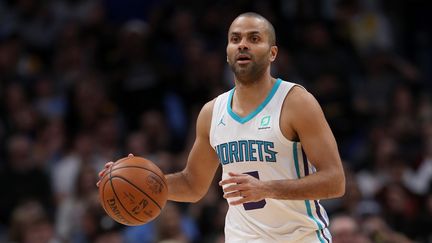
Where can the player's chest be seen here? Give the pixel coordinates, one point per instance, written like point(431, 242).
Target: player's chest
point(261, 127)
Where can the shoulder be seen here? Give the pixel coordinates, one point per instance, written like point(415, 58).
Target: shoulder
point(300, 100)
point(300, 111)
point(299, 94)
point(205, 117)
point(207, 109)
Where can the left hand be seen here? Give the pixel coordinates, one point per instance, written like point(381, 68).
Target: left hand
point(106, 169)
point(245, 186)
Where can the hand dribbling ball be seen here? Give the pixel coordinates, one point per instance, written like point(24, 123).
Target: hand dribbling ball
point(133, 191)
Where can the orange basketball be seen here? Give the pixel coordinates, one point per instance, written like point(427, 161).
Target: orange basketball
point(133, 191)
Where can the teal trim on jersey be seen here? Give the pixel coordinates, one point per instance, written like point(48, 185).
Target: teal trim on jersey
point(247, 118)
point(307, 203)
point(318, 233)
point(296, 164)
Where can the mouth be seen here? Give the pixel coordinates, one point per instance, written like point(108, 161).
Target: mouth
point(243, 59)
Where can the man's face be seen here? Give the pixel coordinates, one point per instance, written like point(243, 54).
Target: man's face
point(249, 52)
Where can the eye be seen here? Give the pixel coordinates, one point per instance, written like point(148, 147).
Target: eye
point(235, 38)
point(255, 38)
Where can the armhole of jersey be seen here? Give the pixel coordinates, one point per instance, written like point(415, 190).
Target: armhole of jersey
point(216, 110)
point(278, 129)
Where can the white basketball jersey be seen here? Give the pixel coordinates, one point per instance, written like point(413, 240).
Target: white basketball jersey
point(255, 145)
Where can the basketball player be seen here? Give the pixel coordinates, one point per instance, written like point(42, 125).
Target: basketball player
point(278, 154)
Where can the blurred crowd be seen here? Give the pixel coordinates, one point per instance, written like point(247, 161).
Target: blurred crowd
point(84, 82)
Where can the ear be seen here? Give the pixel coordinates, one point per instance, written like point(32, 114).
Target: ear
point(273, 53)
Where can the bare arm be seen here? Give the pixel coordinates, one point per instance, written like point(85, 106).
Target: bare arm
point(302, 117)
point(320, 146)
point(192, 183)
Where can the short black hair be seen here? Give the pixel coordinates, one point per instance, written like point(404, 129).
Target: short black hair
point(271, 30)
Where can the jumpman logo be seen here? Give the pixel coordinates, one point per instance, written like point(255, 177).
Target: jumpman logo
point(221, 121)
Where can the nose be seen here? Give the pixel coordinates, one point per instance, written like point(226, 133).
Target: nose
point(243, 45)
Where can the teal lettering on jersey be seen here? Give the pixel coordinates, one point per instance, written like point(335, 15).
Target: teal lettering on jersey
point(260, 149)
point(233, 152)
point(246, 151)
point(243, 145)
point(252, 150)
point(222, 152)
point(271, 154)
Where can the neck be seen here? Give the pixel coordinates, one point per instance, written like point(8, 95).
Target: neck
point(254, 86)
point(248, 95)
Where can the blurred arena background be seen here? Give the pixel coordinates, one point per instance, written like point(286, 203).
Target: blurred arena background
point(83, 82)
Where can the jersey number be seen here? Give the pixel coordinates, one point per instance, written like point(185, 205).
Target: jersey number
point(254, 205)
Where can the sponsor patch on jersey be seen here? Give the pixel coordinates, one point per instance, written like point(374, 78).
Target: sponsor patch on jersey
point(265, 123)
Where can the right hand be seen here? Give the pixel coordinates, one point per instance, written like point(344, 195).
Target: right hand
point(106, 168)
point(102, 172)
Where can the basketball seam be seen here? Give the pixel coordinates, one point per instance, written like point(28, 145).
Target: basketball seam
point(139, 189)
point(118, 199)
point(135, 166)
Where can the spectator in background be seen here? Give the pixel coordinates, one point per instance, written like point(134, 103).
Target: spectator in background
point(345, 229)
point(378, 231)
point(112, 236)
point(172, 225)
point(209, 215)
point(368, 28)
point(169, 226)
point(31, 224)
point(137, 142)
point(418, 178)
point(153, 124)
point(22, 179)
point(11, 53)
point(399, 208)
point(424, 220)
point(49, 102)
point(320, 55)
point(65, 171)
point(89, 103)
point(71, 209)
point(134, 72)
point(50, 142)
point(95, 225)
point(21, 116)
point(108, 132)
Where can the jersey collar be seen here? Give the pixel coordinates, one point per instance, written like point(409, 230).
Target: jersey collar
point(251, 115)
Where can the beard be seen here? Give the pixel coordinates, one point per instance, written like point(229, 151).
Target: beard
point(249, 73)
